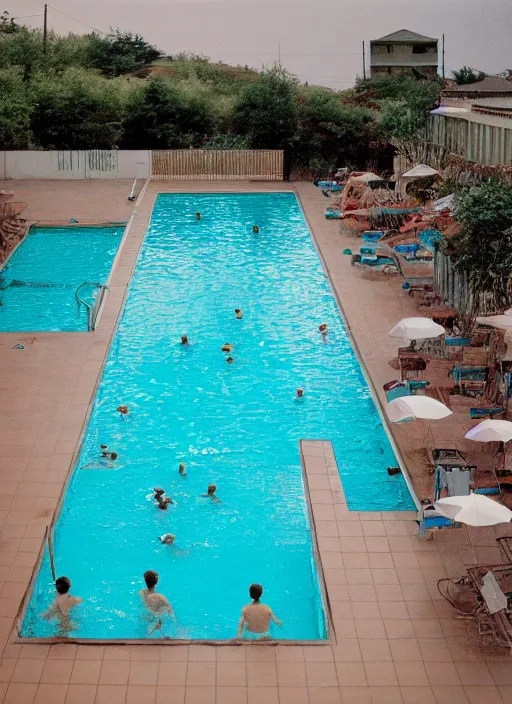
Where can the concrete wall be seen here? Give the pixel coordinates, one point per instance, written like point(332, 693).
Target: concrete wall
point(92, 164)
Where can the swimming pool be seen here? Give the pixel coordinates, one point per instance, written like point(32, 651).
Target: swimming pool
point(237, 426)
point(38, 282)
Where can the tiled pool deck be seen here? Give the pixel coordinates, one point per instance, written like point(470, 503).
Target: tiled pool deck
point(397, 641)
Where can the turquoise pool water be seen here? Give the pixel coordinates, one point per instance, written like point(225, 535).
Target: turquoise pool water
point(237, 426)
point(38, 283)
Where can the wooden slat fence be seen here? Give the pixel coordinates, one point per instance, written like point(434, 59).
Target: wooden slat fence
point(217, 165)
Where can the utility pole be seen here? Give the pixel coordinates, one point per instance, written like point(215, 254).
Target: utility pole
point(364, 63)
point(45, 27)
point(279, 53)
point(443, 74)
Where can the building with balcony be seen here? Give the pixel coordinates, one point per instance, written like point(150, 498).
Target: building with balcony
point(404, 52)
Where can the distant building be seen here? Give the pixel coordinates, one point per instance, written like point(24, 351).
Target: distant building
point(404, 52)
point(474, 122)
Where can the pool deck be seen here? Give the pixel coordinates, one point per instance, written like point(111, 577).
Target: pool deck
point(397, 641)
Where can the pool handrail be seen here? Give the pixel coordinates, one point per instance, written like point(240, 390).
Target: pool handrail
point(92, 309)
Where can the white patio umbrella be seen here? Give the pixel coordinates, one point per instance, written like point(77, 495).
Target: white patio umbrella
point(416, 329)
point(491, 431)
point(420, 171)
point(496, 321)
point(416, 407)
point(473, 510)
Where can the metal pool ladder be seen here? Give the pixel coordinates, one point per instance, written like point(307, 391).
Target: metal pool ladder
point(92, 308)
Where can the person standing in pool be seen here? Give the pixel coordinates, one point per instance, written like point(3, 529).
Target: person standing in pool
point(211, 494)
point(156, 604)
point(62, 605)
point(182, 469)
point(254, 621)
point(255, 229)
point(198, 216)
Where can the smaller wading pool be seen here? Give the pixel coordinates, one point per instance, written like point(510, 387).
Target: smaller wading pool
point(38, 282)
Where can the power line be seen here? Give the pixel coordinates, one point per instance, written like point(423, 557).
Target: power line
point(24, 17)
point(77, 20)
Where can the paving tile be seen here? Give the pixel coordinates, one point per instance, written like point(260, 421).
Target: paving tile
point(417, 695)
point(111, 694)
point(483, 695)
point(351, 674)
point(355, 695)
point(111, 672)
point(381, 674)
point(233, 695)
point(28, 670)
point(57, 672)
point(261, 674)
point(141, 694)
point(262, 695)
point(321, 674)
point(170, 695)
point(20, 693)
point(87, 672)
point(51, 694)
point(411, 674)
point(143, 673)
point(324, 695)
point(174, 673)
point(447, 694)
point(81, 694)
point(386, 695)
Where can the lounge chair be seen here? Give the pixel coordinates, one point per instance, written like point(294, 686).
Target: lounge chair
point(505, 544)
point(461, 594)
point(457, 481)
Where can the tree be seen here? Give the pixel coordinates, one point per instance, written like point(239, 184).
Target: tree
point(403, 119)
point(266, 111)
point(7, 24)
point(483, 247)
point(329, 132)
point(120, 52)
point(15, 110)
point(159, 117)
point(77, 110)
point(467, 75)
point(23, 49)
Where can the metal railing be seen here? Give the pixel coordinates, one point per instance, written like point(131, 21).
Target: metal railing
point(94, 307)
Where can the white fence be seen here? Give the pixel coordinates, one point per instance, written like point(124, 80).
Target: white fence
point(80, 165)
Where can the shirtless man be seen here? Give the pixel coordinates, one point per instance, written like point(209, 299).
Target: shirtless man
point(157, 604)
point(62, 605)
point(254, 622)
point(212, 488)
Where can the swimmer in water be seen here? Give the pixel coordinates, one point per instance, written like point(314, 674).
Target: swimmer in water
point(123, 411)
point(182, 469)
point(255, 618)
point(184, 340)
point(198, 216)
point(226, 347)
point(162, 500)
point(255, 229)
point(300, 393)
point(323, 329)
point(211, 494)
point(156, 604)
point(106, 454)
point(167, 539)
point(238, 314)
point(61, 607)
point(230, 360)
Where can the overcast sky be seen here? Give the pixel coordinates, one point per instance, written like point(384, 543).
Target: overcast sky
point(320, 40)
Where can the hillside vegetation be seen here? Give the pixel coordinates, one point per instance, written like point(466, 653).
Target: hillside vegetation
point(118, 91)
